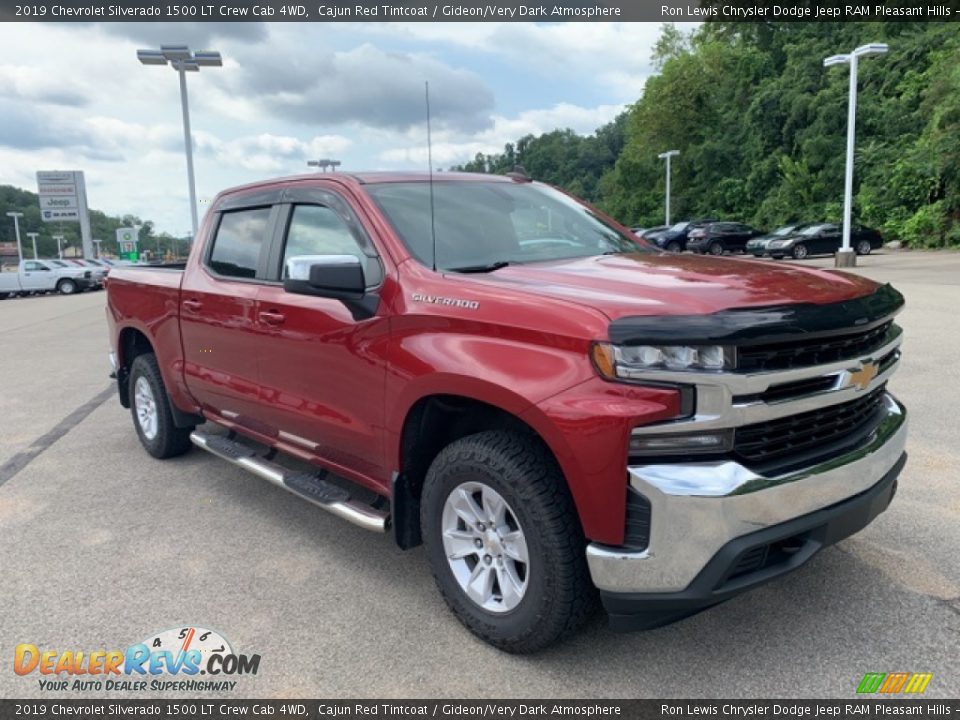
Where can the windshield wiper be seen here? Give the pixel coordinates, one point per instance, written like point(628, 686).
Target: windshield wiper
point(490, 267)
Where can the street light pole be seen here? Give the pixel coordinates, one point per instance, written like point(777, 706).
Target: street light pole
point(666, 156)
point(323, 163)
point(181, 59)
point(16, 226)
point(33, 238)
point(846, 257)
point(59, 239)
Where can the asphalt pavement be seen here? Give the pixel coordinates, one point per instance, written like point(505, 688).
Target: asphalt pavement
point(102, 546)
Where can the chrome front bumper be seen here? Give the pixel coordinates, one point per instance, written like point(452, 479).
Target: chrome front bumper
point(697, 508)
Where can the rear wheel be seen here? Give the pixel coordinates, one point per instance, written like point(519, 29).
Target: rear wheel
point(863, 247)
point(150, 409)
point(673, 247)
point(799, 251)
point(66, 287)
point(716, 248)
point(504, 542)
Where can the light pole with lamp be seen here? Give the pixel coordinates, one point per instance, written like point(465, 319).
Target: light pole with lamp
point(666, 156)
point(59, 239)
point(323, 164)
point(16, 226)
point(33, 238)
point(846, 257)
point(183, 61)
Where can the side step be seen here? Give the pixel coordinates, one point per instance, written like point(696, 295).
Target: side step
point(310, 487)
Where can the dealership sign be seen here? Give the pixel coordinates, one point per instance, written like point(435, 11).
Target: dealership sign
point(63, 198)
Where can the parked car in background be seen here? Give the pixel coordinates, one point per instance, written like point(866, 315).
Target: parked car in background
point(35, 276)
point(674, 238)
point(717, 238)
point(644, 233)
point(758, 245)
point(99, 270)
point(824, 239)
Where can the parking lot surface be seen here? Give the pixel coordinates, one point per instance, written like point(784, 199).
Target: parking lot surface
point(101, 546)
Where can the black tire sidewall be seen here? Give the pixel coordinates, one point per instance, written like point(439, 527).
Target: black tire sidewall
point(674, 247)
point(797, 254)
point(169, 440)
point(66, 283)
point(715, 248)
point(533, 623)
point(863, 247)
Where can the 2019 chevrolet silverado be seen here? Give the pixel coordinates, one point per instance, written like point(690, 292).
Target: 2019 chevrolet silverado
point(491, 368)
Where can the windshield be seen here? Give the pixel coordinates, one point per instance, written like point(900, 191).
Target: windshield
point(785, 230)
point(679, 226)
point(57, 263)
point(480, 224)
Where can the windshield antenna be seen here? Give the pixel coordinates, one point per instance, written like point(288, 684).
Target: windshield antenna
point(433, 227)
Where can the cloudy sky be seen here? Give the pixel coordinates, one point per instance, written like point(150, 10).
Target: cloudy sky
point(74, 97)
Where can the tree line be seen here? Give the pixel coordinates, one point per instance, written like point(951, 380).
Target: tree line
point(761, 129)
point(102, 226)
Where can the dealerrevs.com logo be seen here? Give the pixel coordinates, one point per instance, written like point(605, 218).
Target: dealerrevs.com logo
point(174, 659)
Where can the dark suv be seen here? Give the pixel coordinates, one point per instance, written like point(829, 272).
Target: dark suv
point(674, 239)
point(719, 237)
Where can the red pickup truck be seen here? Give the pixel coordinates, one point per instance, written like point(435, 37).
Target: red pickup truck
point(491, 368)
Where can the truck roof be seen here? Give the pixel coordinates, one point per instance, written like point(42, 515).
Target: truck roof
point(366, 178)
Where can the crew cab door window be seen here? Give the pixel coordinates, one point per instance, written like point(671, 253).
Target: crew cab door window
point(238, 243)
point(35, 267)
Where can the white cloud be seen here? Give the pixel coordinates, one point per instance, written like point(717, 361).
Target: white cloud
point(448, 150)
point(266, 152)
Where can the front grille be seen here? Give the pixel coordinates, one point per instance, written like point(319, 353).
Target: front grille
point(782, 438)
point(806, 353)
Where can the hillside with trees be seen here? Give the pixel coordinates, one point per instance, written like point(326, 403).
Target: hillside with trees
point(102, 226)
point(761, 129)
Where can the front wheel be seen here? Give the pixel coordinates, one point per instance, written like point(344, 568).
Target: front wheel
point(504, 542)
point(863, 247)
point(66, 287)
point(674, 247)
point(716, 248)
point(799, 251)
point(150, 408)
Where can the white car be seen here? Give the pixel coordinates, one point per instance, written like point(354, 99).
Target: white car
point(46, 275)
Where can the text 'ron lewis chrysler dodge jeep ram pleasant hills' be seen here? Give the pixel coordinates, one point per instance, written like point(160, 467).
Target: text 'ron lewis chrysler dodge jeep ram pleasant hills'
point(559, 412)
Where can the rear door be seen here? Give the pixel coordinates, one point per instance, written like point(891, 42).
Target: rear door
point(736, 238)
point(322, 370)
point(827, 241)
point(218, 310)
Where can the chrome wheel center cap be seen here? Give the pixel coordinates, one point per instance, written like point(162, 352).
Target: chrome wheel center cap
point(492, 542)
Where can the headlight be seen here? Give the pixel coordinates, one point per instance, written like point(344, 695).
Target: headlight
point(778, 243)
point(630, 361)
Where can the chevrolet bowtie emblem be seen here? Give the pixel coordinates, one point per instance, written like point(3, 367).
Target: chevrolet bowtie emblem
point(864, 376)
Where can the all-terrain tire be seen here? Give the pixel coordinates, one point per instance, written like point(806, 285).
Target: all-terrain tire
point(559, 594)
point(150, 409)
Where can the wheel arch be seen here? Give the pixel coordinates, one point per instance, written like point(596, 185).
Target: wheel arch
point(131, 343)
point(430, 424)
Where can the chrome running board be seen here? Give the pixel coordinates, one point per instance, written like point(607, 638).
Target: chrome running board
point(306, 486)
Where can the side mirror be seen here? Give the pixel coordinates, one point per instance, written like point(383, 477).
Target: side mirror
point(325, 275)
point(339, 277)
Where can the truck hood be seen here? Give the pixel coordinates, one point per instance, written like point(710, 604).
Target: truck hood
point(670, 284)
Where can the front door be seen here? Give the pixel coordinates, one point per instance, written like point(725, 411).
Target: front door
point(36, 276)
point(322, 371)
